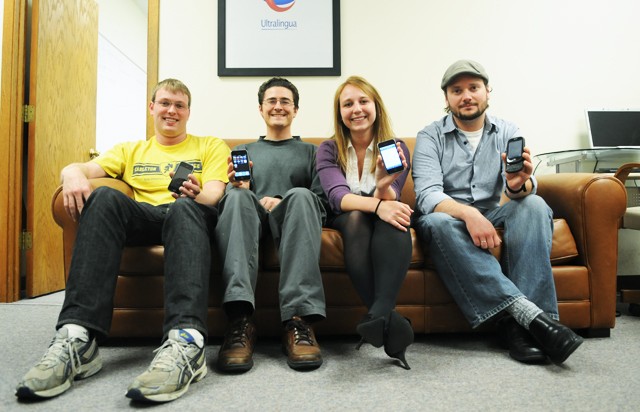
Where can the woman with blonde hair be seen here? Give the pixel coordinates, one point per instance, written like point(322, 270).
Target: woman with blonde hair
point(365, 208)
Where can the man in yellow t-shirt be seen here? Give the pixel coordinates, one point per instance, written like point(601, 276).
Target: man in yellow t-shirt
point(183, 222)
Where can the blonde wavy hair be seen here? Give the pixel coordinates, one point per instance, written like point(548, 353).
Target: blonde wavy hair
point(381, 127)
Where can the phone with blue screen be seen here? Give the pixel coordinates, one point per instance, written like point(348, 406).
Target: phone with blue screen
point(390, 156)
point(240, 160)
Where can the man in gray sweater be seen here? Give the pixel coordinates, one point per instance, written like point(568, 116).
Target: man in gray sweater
point(284, 198)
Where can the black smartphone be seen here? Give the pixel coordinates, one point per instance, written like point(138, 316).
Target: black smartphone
point(390, 156)
point(515, 161)
point(180, 175)
point(240, 160)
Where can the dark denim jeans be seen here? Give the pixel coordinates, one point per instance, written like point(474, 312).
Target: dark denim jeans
point(110, 221)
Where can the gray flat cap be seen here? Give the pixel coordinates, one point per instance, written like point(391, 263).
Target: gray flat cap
point(463, 67)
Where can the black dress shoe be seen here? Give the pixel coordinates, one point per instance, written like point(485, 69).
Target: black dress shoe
point(399, 335)
point(557, 340)
point(522, 347)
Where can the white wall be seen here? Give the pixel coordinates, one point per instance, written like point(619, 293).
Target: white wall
point(548, 60)
point(122, 73)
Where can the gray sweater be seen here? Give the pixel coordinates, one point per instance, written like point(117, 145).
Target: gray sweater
point(282, 165)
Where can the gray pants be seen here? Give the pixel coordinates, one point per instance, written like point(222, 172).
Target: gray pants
point(296, 227)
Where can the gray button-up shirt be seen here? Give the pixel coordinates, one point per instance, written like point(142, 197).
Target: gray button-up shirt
point(445, 167)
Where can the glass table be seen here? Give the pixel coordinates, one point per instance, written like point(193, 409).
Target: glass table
point(602, 160)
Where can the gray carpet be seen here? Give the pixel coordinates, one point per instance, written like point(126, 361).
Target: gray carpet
point(449, 372)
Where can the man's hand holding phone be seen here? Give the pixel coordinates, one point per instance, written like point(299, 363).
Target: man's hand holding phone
point(518, 166)
point(190, 187)
point(243, 180)
point(183, 183)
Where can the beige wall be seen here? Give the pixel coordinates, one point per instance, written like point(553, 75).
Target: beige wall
point(548, 60)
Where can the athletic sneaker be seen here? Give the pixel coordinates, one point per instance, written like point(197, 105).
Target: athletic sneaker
point(65, 360)
point(178, 362)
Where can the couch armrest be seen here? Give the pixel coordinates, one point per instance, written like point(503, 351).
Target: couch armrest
point(592, 205)
point(69, 227)
point(57, 202)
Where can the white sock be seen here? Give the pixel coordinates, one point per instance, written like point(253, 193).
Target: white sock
point(195, 334)
point(524, 311)
point(77, 332)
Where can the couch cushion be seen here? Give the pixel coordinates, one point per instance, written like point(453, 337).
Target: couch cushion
point(631, 219)
point(564, 247)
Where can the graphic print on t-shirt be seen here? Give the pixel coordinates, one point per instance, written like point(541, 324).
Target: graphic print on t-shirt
point(161, 169)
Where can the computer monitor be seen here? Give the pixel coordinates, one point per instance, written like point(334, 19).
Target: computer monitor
point(613, 128)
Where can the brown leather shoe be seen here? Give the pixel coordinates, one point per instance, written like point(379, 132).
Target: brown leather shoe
point(300, 345)
point(236, 352)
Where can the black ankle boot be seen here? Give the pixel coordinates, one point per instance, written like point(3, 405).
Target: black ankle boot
point(371, 330)
point(398, 335)
point(557, 340)
point(522, 347)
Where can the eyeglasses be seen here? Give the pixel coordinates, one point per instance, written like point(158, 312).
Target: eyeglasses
point(178, 105)
point(273, 101)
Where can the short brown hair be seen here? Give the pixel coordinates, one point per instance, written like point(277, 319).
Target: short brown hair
point(174, 86)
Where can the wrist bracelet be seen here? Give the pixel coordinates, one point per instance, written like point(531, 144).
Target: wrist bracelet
point(522, 189)
point(375, 212)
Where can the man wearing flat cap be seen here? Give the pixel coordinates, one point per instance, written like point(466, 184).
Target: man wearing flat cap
point(460, 172)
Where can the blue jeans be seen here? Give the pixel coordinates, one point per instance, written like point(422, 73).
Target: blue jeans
point(481, 286)
point(110, 221)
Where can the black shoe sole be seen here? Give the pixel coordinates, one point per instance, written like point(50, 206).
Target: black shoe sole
point(568, 351)
point(235, 368)
point(531, 359)
point(307, 365)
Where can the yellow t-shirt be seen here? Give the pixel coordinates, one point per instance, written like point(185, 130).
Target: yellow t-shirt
point(145, 164)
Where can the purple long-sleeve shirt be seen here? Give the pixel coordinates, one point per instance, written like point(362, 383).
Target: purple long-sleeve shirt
point(333, 179)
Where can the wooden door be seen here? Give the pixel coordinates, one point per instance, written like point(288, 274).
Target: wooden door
point(62, 88)
point(13, 52)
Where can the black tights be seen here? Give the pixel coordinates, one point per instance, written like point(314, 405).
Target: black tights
point(377, 257)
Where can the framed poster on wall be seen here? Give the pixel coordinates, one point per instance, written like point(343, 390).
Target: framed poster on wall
point(278, 37)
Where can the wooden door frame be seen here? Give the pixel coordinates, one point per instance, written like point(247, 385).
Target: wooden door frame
point(153, 45)
point(11, 140)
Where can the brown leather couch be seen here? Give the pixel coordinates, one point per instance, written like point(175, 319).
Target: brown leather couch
point(587, 208)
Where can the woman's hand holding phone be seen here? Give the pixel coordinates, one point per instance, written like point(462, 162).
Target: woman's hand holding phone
point(384, 177)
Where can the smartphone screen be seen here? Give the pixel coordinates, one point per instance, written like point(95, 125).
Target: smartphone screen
point(515, 161)
point(390, 156)
point(180, 175)
point(515, 147)
point(240, 160)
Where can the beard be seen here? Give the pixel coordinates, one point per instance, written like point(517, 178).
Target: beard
point(481, 108)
